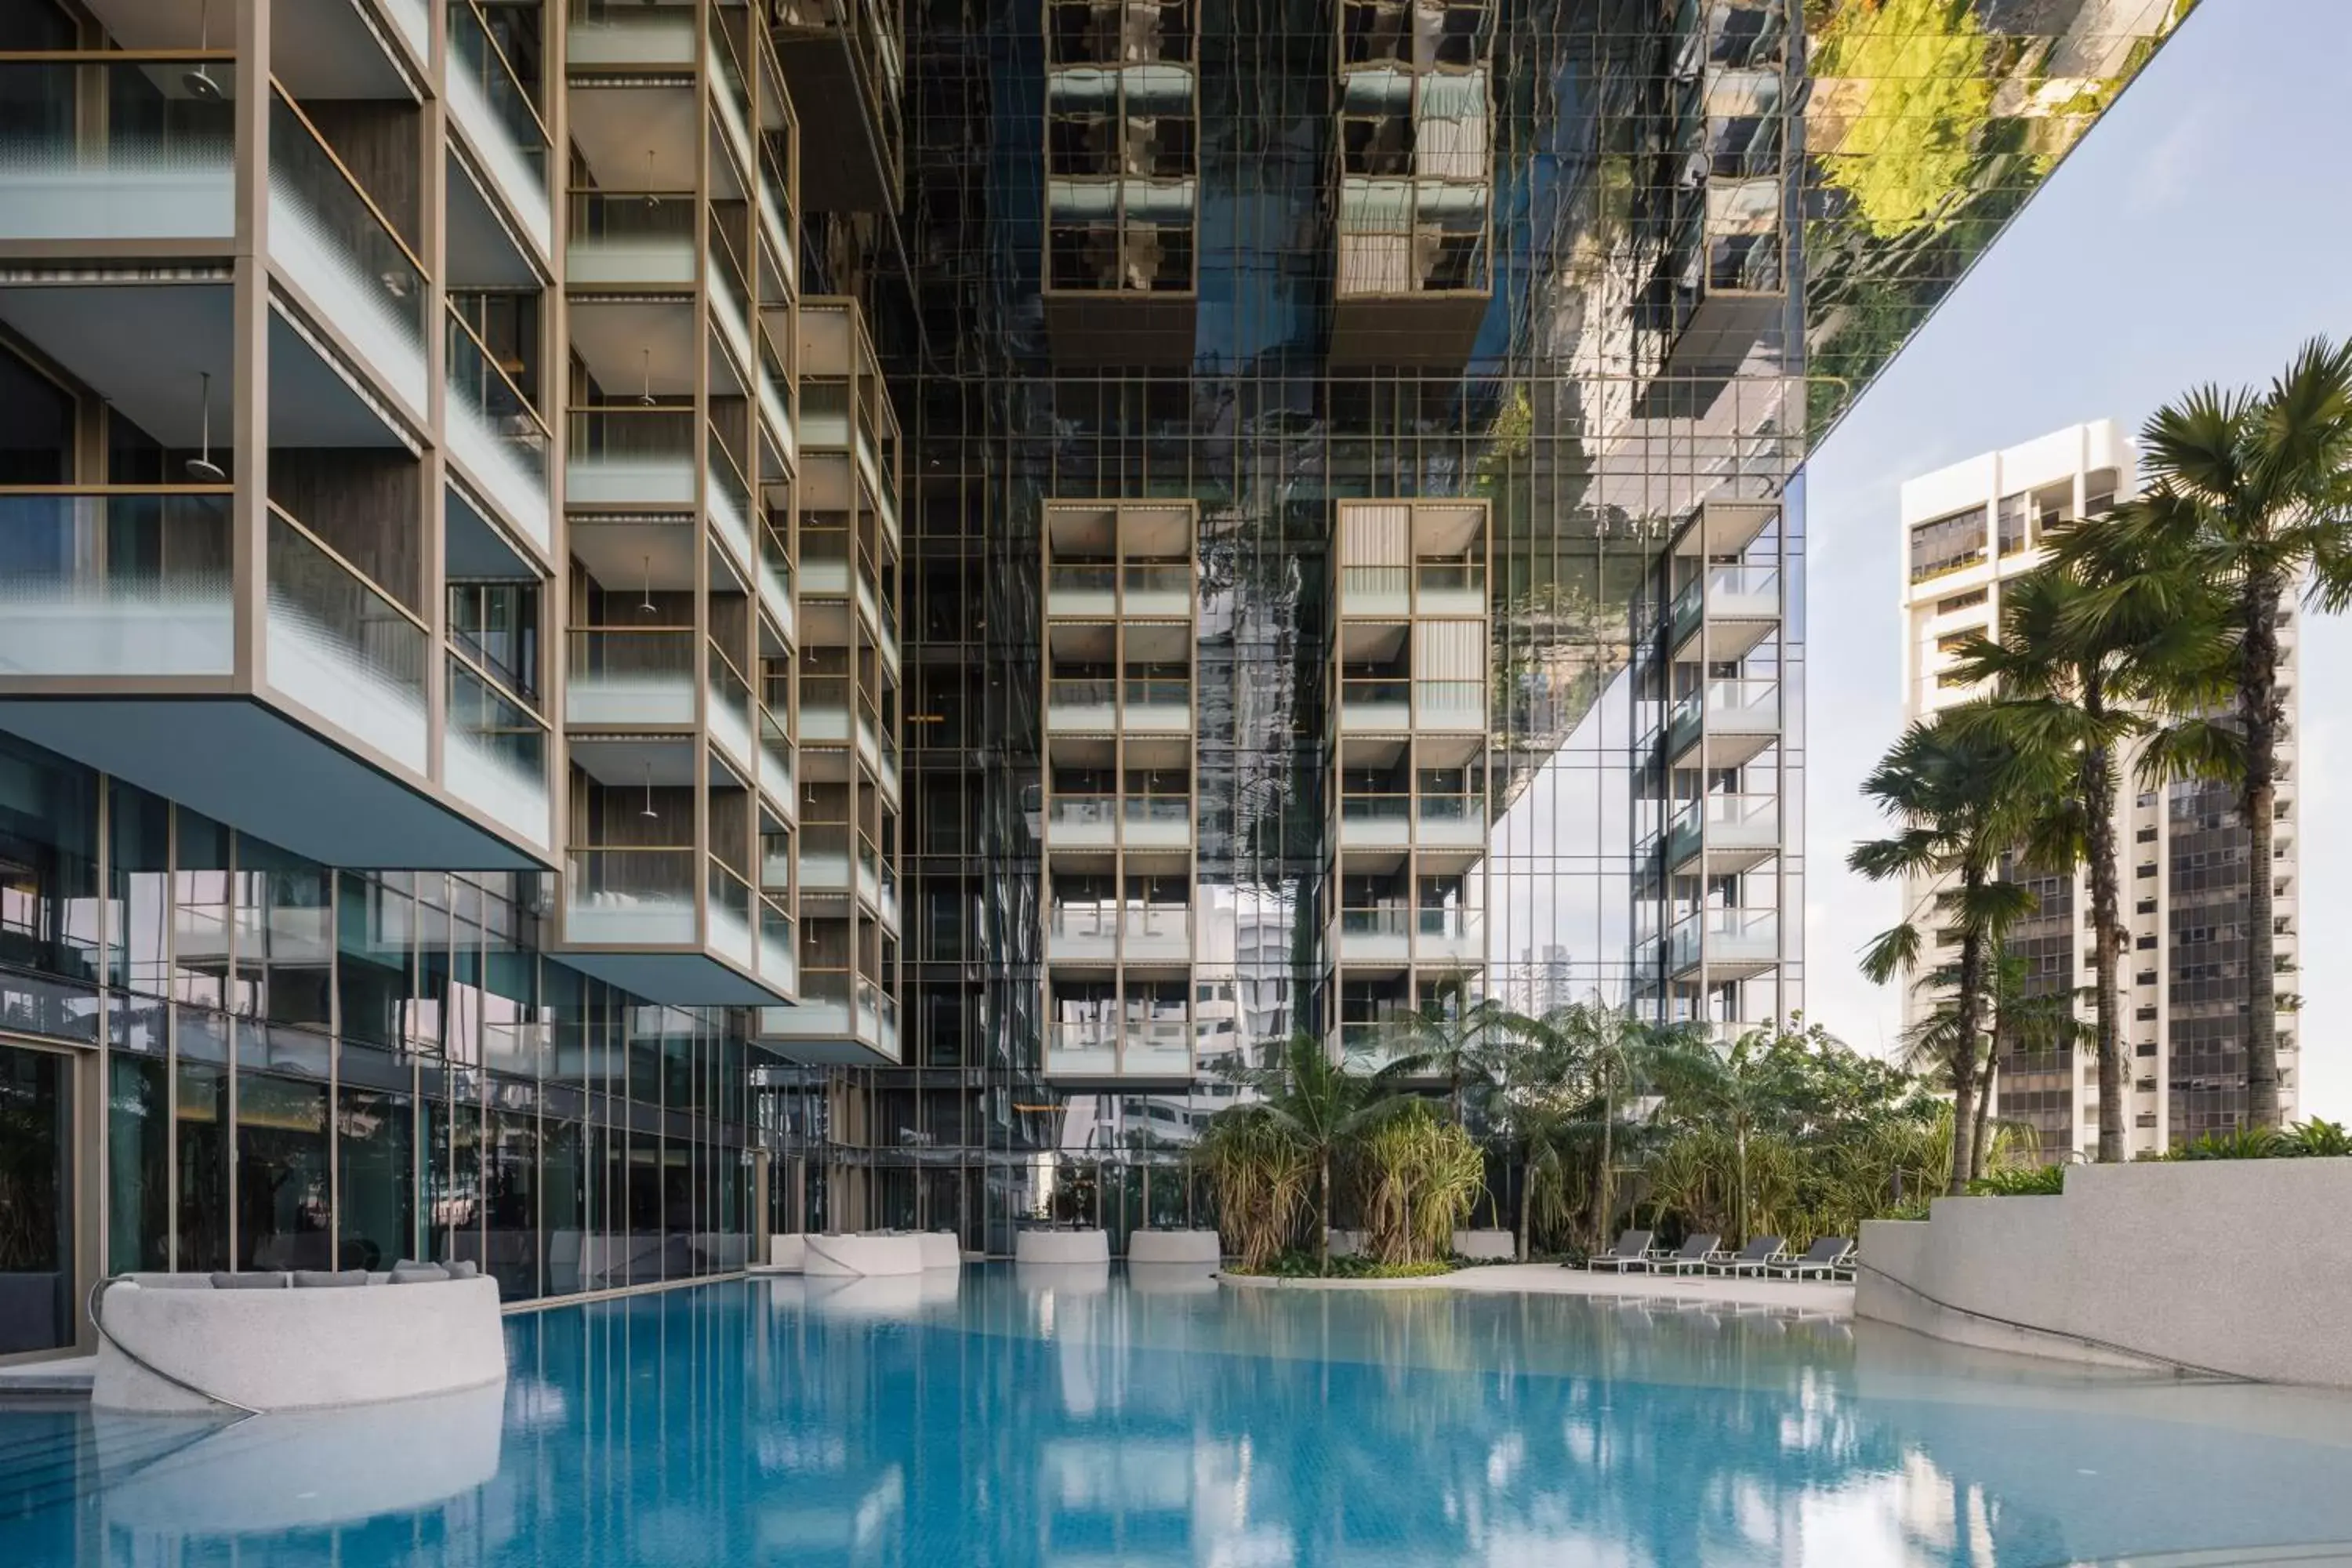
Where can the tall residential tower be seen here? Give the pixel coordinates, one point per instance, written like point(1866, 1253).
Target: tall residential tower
point(1968, 530)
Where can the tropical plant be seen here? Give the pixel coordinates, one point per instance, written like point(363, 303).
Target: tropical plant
point(2316, 1139)
point(1468, 1040)
point(2030, 1181)
point(1732, 1088)
point(2076, 672)
point(1257, 1173)
point(1417, 1178)
point(2022, 1019)
point(1614, 1056)
point(1960, 801)
point(2249, 494)
point(1315, 1101)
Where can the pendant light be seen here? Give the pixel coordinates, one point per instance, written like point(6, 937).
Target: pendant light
point(200, 85)
point(201, 466)
point(646, 605)
point(645, 398)
point(651, 199)
point(649, 812)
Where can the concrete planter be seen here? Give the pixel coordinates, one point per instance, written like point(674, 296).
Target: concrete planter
point(2241, 1267)
point(1486, 1244)
point(838, 1256)
point(1153, 1246)
point(298, 1350)
point(941, 1249)
point(1061, 1246)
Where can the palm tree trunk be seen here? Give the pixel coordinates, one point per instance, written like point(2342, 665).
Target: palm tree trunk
point(1982, 1133)
point(2259, 712)
point(2098, 793)
point(1604, 1190)
point(1323, 1232)
point(1967, 1010)
point(1527, 1188)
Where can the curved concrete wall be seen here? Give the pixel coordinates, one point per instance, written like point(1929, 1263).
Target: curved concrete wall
point(299, 1350)
point(1173, 1247)
point(2235, 1266)
point(833, 1256)
point(1061, 1246)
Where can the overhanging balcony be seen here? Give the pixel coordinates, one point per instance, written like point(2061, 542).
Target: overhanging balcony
point(1736, 832)
point(494, 113)
point(1738, 605)
point(840, 1018)
point(1124, 1050)
point(121, 151)
point(1724, 724)
point(1731, 944)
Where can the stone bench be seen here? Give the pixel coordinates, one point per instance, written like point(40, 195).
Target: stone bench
point(1174, 1247)
point(271, 1348)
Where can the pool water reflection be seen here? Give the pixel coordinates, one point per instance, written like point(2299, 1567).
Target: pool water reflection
point(1079, 1419)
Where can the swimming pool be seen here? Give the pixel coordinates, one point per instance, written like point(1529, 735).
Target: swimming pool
point(1082, 1420)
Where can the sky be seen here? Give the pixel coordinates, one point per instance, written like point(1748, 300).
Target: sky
point(2198, 233)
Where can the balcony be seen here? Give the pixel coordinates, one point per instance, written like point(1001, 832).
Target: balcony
point(623, 240)
point(1376, 933)
point(1450, 706)
point(642, 33)
point(1375, 821)
point(494, 753)
point(1082, 822)
point(1741, 831)
point(1375, 705)
point(1732, 944)
point(115, 582)
point(779, 781)
point(778, 953)
point(624, 675)
point(497, 435)
point(1146, 1049)
point(1082, 592)
point(490, 108)
point(624, 455)
point(729, 708)
point(1724, 724)
point(1451, 821)
point(106, 150)
point(728, 500)
point(1738, 604)
point(841, 1017)
point(1133, 933)
point(1157, 705)
point(334, 245)
point(339, 645)
point(1156, 822)
point(1378, 593)
point(1142, 705)
point(1083, 934)
point(1453, 937)
point(630, 897)
point(825, 858)
point(670, 922)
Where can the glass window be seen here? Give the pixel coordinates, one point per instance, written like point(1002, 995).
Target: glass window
point(35, 1208)
point(200, 1114)
point(1948, 544)
point(200, 912)
point(138, 1166)
point(375, 1130)
point(282, 1188)
point(510, 1185)
point(139, 867)
point(374, 927)
point(284, 937)
point(48, 875)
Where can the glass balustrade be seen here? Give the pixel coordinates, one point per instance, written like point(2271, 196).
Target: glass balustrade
point(629, 674)
point(729, 500)
point(825, 412)
point(779, 954)
point(776, 408)
point(776, 769)
point(823, 1011)
point(1376, 921)
point(490, 105)
point(731, 97)
point(1376, 590)
point(1156, 702)
point(1082, 589)
point(775, 581)
point(107, 582)
point(414, 18)
point(1086, 703)
point(1449, 588)
point(1449, 704)
point(1369, 703)
point(630, 33)
point(1375, 808)
point(824, 858)
point(1083, 820)
point(623, 237)
point(1088, 1047)
point(729, 707)
point(729, 923)
point(1156, 1047)
point(1156, 933)
point(1740, 707)
point(624, 896)
point(1157, 821)
point(496, 433)
point(343, 647)
point(824, 709)
point(93, 150)
point(335, 245)
point(1156, 588)
point(494, 753)
point(728, 295)
point(626, 456)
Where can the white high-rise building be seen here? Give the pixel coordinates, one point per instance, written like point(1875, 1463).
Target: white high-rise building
point(1967, 532)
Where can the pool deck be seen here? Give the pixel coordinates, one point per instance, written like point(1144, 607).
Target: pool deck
point(1551, 1280)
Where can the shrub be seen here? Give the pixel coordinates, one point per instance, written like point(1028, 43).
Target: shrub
point(2034, 1180)
point(2316, 1139)
point(1295, 1265)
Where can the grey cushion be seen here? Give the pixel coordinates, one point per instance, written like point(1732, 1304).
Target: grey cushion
point(409, 1272)
point(461, 1268)
point(249, 1282)
point(321, 1278)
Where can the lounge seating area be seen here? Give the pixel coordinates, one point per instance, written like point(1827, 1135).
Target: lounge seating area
point(303, 1340)
point(1830, 1257)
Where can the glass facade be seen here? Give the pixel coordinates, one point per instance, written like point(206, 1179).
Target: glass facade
point(308, 1069)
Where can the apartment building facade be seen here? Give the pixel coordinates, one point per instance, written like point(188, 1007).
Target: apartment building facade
point(465, 461)
point(1971, 529)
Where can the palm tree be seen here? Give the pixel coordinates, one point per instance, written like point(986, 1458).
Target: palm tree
point(1961, 803)
point(1731, 1086)
point(2076, 672)
point(2022, 1019)
point(1466, 1040)
point(1617, 1055)
point(2250, 493)
point(1319, 1105)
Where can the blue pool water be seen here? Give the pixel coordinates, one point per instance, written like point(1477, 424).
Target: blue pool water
point(1035, 1419)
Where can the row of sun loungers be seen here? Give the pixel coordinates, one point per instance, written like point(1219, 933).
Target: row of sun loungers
point(1830, 1257)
